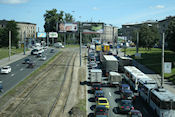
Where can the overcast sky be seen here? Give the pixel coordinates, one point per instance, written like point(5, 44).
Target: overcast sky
point(115, 12)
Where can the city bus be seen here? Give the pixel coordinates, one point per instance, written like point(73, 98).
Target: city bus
point(162, 102)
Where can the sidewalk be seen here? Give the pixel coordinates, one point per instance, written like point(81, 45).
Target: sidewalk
point(16, 57)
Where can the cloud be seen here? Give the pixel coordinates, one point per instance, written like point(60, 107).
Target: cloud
point(159, 6)
point(95, 8)
point(13, 1)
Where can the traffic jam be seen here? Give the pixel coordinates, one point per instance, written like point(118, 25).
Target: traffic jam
point(114, 86)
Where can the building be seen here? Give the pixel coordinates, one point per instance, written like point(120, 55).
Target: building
point(25, 28)
point(110, 33)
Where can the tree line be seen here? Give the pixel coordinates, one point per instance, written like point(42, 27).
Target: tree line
point(149, 36)
point(4, 34)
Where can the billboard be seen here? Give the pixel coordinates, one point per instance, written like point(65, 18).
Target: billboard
point(93, 27)
point(53, 34)
point(68, 27)
point(41, 34)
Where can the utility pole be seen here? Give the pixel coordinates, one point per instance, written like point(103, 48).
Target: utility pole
point(163, 41)
point(9, 45)
point(64, 38)
point(47, 36)
point(24, 43)
point(80, 41)
point(137, 46)
point(113, 37)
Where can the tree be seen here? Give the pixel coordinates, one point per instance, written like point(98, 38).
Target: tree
point(51, 18)
point(4, 34)
point(68, 17)
point(148, 36)
point(170, 35)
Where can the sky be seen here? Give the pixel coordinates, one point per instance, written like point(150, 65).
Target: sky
point(115, 12)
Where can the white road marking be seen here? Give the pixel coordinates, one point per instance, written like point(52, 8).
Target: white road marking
point(12, 75)
point(21, 69)
point(110, 93)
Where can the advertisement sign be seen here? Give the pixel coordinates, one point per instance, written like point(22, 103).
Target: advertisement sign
point(167, 67)
point(53, 34)
point(41, 34)
point(93, 27)
point(68, 27)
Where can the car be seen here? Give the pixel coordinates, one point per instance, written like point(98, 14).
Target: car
point(104, 102)
point(31, 65)
point(39, 55)
point(127, 94)
point(92, 64)
point(34, 52)
point(101, 111)
point(6, 69)
point(98, 94)
point(1, 87)
point(135, 113)
point(43, 58)
point(52, 51)
point(96, 86)
point(124, 87)
point(125, 106)
point(26, 61)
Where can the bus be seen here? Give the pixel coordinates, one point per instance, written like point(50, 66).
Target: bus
point(162, 102)
point(132, 76)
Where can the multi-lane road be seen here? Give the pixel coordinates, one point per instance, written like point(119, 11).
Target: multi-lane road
point(20, 71)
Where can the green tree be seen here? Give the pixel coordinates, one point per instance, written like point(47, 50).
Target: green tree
point(4, 34)
point(68, 17)
point(170, 35)
point(51, 18)
point(148, 36)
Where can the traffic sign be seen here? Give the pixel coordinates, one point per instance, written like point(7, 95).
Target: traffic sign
point(53, 34)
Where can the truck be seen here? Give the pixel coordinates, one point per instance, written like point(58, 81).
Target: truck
point(124, 61)
point(109, 63)
point(114, 78)
point(96, 75)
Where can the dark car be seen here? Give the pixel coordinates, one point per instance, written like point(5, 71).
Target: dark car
point(125, 106)
point(124, 87)
point(52, 51)
point(26, 61)
point(135, 113)
point(127, 94)
point(31, 65)
point(39, 55)
point(96, 86)
point(101, 111)
point(98, 94)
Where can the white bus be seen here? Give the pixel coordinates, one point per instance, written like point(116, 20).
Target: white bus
point(145, 86)
point(132, 76)
point(162, 102)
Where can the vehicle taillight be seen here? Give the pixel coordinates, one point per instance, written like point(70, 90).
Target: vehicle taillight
point(122, 106)
point(132, 108)
point(96, 88)
point(127, 107)
point(100, 88)
point(101, 110)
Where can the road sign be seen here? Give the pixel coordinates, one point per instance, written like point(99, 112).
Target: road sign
point(41, 34)
point(53, 34)
point(167, 67)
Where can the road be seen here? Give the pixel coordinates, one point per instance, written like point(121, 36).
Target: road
point(20, 71)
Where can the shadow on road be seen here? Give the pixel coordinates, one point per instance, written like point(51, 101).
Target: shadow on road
point(91, 99)
point(92, 107)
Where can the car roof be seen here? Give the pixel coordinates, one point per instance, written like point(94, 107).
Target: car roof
point(135, 111)
point(102, 99)
point(127, 91)
point(99, 91)
point(125, 85)
point(126, 101)
point(6, 67)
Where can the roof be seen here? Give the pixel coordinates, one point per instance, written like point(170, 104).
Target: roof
point(96, 70)
point(114, 74)
point(163, 94)
point(125, 85)
point(18, 22)
point(147, 80)
point(123, 57)
point(110, 58)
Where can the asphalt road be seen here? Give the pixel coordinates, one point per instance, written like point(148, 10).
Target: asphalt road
point(20, 71)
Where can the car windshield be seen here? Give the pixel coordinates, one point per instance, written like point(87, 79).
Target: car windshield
point(4, 68)
point(99, 94)
point(96, 85)
point(100, 109)
point(126, 102)
point(102, 101)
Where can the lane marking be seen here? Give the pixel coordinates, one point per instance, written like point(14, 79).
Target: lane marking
point(109, 93)
point(21, 69)
point(12, 75)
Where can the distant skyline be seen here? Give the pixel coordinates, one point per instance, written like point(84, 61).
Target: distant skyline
point(113, 12)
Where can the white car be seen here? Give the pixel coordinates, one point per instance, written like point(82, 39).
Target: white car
point(43, 58)
point(6, 69)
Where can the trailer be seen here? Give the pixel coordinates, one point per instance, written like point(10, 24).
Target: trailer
point(109, 63)
point(114, 78)
point(96, 75)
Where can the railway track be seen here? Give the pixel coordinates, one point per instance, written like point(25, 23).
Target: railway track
point(12, 108)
